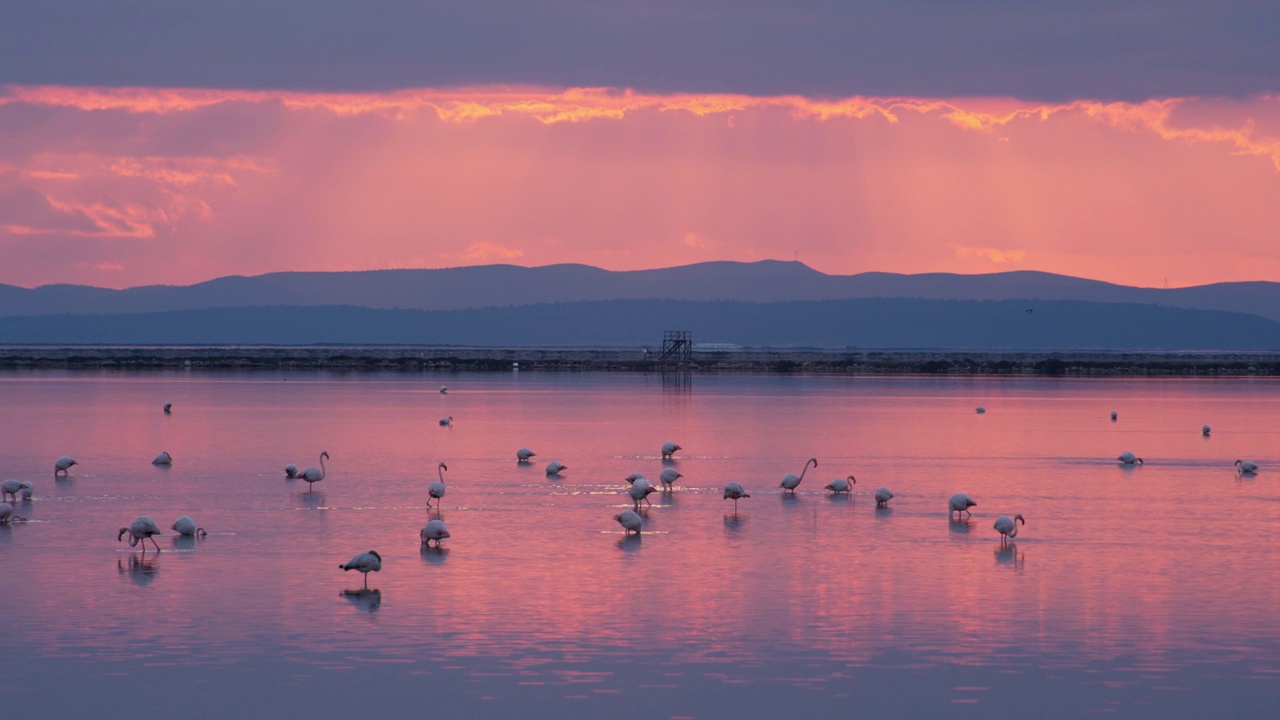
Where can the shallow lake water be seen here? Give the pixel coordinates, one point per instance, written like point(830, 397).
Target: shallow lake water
point(1147, 591)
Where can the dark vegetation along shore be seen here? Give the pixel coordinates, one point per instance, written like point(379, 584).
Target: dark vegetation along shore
point(851, 362)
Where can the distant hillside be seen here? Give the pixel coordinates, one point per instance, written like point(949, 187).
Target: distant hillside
point(863, 323)
point(508, 285)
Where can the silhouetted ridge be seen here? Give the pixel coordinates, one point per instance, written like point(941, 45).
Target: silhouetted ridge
point(510, 285)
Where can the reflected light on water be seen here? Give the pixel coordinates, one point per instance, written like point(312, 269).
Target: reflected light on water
point(1141, 576)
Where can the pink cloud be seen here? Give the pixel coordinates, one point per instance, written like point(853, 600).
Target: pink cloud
point(183, 185)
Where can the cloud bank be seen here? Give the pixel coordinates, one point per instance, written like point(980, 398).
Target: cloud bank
point(126, 186)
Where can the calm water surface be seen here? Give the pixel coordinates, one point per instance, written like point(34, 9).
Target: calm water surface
point(1148, 591)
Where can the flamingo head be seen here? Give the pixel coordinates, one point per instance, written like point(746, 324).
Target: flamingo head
point(120, 535)
point(852, 480)
point(325, 454)
point(970, 503)
point(443, 466)
point(1020, 519)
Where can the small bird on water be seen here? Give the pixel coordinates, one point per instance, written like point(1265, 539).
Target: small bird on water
point(960, 503)
point(630, 521)
point(365, 562)
point(1008, 527)
point(841, 485)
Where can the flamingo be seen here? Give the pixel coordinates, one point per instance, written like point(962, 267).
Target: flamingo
point(1113, 415)
point(1007, 527)
point(668, 477)
point(640, 490)
point(11, 488)
point(555, 468)
point(313, 475)
point(980, 410)
point(163, 458)
point(669, 448)
point(434, 530)
point(1204, 430)
point(63, 464)
point(184, 525)
point(168, 408)
point(523, 455)
point(734, 491)
point(436, 489)
point(444, 389)
point(365, 562)
point(1244, 467)
point(1129, 458)
point(633, 477)
point(883, 496)
point(446, 422)
point(291, 471)
point(960, 503)
point(841, 485)
point(139, 531)
point(791, 481)
point(630, 521)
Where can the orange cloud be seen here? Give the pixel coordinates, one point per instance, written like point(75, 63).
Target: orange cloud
point(587, 104)
point(188, 184)
point(488, 252)
point(992, 254)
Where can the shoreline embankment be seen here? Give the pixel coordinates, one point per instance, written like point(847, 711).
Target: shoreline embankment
point(633, 359)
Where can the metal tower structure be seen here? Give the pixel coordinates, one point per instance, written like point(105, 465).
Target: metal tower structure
point(677, 347)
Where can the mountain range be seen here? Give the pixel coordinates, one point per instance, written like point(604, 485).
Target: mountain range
point(507, 285)
point(774, 303)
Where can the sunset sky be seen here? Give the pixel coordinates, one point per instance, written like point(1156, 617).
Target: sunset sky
point(173, 144)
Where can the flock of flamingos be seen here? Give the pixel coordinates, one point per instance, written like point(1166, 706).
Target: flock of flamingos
point(144, 528)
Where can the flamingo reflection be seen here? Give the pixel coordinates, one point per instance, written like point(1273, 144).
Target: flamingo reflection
point(142, 570)
point(368, 600)
point(434, 555)
point(1008, 556)
point(733, 522)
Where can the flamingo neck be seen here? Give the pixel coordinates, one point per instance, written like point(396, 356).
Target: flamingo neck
point(806, 468)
